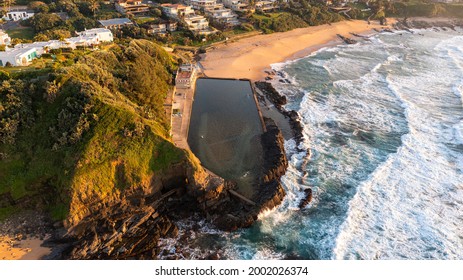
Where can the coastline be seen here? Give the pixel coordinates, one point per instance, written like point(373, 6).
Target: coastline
point(26, 249)
point(250, 57)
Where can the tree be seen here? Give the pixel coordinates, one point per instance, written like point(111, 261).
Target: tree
point(94, 6)
point(6, 4)
point(38, 6)
point(41, 22)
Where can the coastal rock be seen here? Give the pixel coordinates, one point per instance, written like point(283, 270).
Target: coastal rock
point(307, 199)
point(346, 40)
point(268, 194)
point(275, 162)
point(279, 100)
point(272, 94)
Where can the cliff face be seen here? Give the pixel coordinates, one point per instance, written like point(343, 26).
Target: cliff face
point(131, 226)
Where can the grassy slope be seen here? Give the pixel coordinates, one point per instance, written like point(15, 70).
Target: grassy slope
point(122, 147)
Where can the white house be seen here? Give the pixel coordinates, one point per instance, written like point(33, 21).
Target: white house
point(131, 7)
point(18, 57)
point(185, 76)
point(4, 38)
point(223, 15)
point(238, 5)
point(43, 47)
point(202, 4)
point(96, 35)
point(177, 10)
point(23, 54)
point(18, 13)
point(198, 24)
point(265, 6)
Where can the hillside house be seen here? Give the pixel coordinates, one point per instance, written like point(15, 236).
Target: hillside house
point(177, 11)
point(18, 57)
point(131, 7)
point(198, 24)
point(4, 38)
point(265, 6)
point(16, 13)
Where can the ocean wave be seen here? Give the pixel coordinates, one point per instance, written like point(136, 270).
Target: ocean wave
point(407, 209)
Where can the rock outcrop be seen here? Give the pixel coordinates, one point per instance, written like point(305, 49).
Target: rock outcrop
point(129, 223)
point(269, 193)
point(272, 94)
point(279, 101)
point(346, 40)
point(307, 198)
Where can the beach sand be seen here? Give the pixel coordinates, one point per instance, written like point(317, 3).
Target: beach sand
point(27, 249)
point(249, 57)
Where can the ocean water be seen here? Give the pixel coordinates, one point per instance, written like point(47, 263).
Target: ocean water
point(383, 120)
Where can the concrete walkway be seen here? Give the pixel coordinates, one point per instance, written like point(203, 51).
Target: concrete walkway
point(183, 102)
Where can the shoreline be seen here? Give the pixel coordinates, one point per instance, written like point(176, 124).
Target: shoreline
point(250, 57)
point(26, 249)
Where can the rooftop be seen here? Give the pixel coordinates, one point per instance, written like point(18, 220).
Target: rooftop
point(16, 51)
point(115, 21)
point(184, 75)
point(94, 30)
point(173, 5)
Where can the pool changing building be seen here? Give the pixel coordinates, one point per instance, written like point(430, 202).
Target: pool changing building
point(186, 75)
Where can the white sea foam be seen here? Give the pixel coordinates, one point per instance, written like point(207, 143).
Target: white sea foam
point(410, 207)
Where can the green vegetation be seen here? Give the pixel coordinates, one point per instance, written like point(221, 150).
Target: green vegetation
point(423, 9)
point(277, 22)
point(91, 129)
point(5, 212)
point(26, 33)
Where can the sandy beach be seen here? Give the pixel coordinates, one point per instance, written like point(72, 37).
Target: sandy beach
point(27, 249)
point(249, 57)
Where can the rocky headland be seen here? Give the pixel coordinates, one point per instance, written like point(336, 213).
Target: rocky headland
point(130, 226)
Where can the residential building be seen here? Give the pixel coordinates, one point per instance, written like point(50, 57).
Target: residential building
point(198, 24)
point(158, 28)
point(177, 11)
point(265, 6)
point(4, 38)
point(186, 76)
point(222, 15)
point(238, 5)
point(131, 7)
point(18, 57)
point(202, 5)
point(171, 26)
point(44, 47)
point(115, 23)
point(23, 54)
point(162, 28)
point(18, 13)
point(96, 35)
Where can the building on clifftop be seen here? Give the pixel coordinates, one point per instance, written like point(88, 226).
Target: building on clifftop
point(186, 76)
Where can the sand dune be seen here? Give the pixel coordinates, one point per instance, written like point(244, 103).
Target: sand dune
point(249, 57)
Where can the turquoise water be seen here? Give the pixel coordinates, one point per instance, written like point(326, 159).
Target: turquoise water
point(383, 120)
